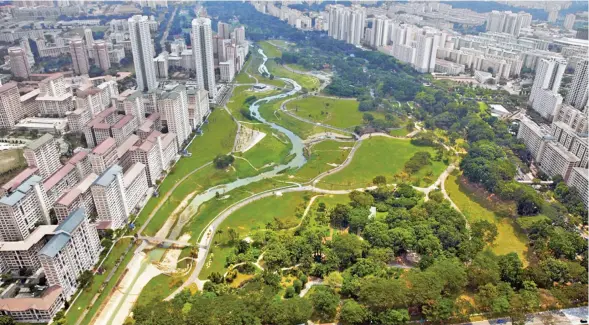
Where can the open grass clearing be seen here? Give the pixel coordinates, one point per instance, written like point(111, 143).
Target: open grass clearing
point(158, 288)
point(340, 113)
point(239, 97)
point(508, 239)
point(383, 156)
point(306, 81)
point(270, 50)
point(273, 149)
point(324, 155)
point(271, 112)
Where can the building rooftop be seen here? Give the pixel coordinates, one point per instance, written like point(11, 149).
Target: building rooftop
point(24, 245)
point(88, 92)
point(7, 86)
point(562, 151)
point(18, 179)
point(79, 156)
point(58, 176)
point(45, 302)
point(124, 121)
point(68, 197)
point(134, 171)
point(109, 175)
point(22, 190)
point(63, 233)
point(127, 144)
point(40, 142)
point(29, 95)
point(104, 146)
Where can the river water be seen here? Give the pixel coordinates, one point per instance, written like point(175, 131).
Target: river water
point(297, 149)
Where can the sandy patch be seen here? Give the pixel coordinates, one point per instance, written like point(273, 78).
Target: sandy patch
point(165, 229)
point(123, 298)
point(247, 139)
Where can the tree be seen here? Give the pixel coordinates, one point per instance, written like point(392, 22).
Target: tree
point(334, 280)
point(483, 269)
point(353, 313)
point(7, 320)
point(223, 161)
point(380, 294)
point(440, 310)
point(339, 216)
point(347, 248)
point(290, 292)
point(361, 199)
point(379, 180)
point(393, 317)
point(510, 269)
point(325, 302)
point(85, 278)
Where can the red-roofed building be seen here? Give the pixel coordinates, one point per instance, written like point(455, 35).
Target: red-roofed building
point(104, 156)
point(34, 309)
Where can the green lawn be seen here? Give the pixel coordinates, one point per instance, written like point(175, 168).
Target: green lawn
point(400, 132)
point(240, 94)
point(10, 159)
point(274, 148)
point(306, 81)
point(322, 154)
point(85, 298)
point(341, 113)
point(218, 137)
point(271, 112)
point(158, 288)
point(270, 50)
point(283, 211)
point(382, 156)
point(508, 239)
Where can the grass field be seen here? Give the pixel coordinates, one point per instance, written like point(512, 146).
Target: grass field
point(11, 159)
point(382, 156)
point(284, 211)
point(158, 288)
point(253, 69)
point(240, 94)
point(85, 298)
point(271, 112)
point(322, 154)
point(306, 81)
point(270, 50)
point(217, 138)
point(508, 240)
point(274, 148)
point(340, 113)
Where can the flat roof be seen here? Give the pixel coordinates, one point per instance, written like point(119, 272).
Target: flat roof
point(20, 192)
point(58, 176)
point(7, 86)
point(132, 173)
point(68, 197)
point(18, 179)
point(29, 95)
point(122, 122)
point(79, 156)
point(24, 245)
point(127, 144)
point(109, 175)
point(104, 145)
point(45, 302)
point(563, 152)
point(39, 142)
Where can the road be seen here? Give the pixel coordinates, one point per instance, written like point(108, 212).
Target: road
point(167, 31)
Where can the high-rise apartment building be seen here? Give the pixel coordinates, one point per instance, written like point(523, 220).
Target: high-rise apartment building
point(79, 53)
point(10, 106)
point(427, 43)
point(202, 49)
point(172, 105)
point(223, 30)
point(19, 63)
point(104, 156)
point(43, 154)
point(552, 15)
point(347, 24)
point(108, 192)
point(508, 22)
point(579, 179)
point(544, 96)
point(55, 97)
point(23, 208)
point(569, 21)
point(239, 35)
point(101, 54)
point(73, 249)
point(143, 52)
point(380, 31)
point(579, 90)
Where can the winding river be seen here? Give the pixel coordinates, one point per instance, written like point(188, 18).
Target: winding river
point(297, 150)
point(119, 311)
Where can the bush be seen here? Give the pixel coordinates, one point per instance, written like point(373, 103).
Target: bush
point(223, 161)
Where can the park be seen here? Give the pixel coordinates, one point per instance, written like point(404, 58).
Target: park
point(310, 180)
